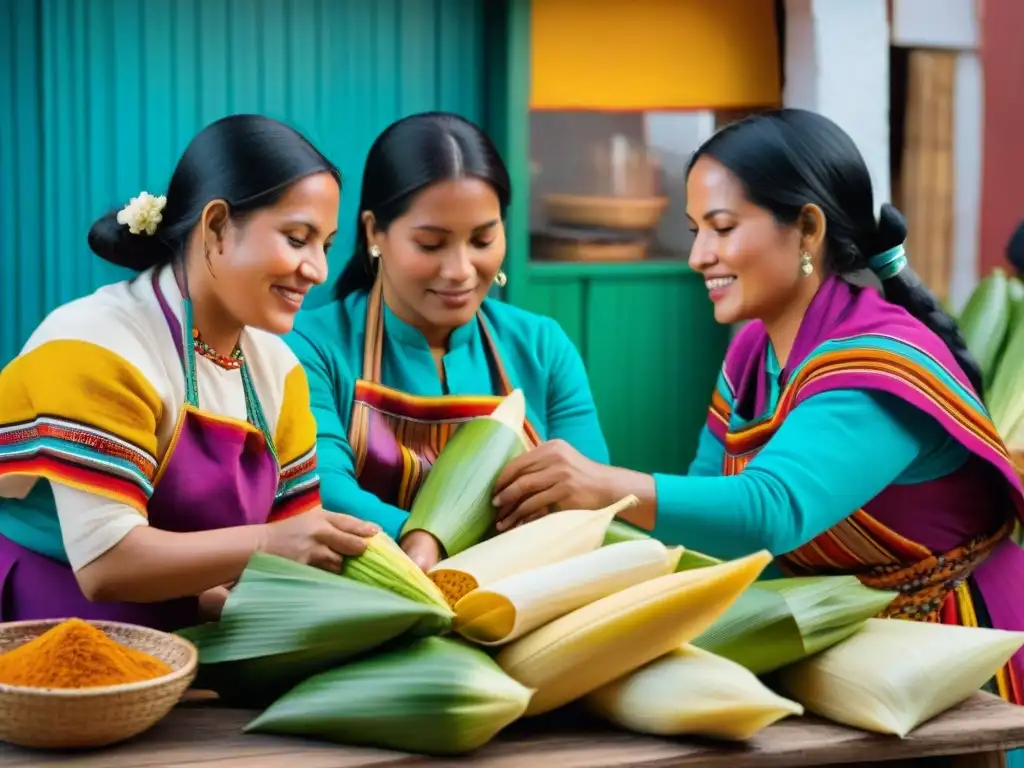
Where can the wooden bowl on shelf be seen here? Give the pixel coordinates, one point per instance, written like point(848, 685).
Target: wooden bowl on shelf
point(636, 213)
point(586, 244)
point(77, 718)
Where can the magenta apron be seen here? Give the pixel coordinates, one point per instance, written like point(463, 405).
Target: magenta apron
point(217, 472)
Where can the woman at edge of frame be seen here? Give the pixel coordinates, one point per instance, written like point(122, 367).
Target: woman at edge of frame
point(847, 431)
point(412, 345)
point(156, 433)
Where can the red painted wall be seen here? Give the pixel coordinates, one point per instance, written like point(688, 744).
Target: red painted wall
point(1002, 180)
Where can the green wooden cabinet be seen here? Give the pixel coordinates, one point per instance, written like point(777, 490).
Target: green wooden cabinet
point(652, 349)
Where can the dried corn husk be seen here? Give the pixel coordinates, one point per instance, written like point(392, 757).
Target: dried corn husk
point(588, 648)
point(454, 502)
point(511, 607)
point(384, 564)
point(284, 621)
point(620, 531)
point(436, 696)
point(690, 692)
point(894, 675)
point(550, 539)
point(780, 621)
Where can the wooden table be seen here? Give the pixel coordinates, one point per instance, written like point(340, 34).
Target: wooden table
point(205, 736)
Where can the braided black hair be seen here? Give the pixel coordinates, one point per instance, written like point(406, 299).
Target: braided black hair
point(790, 158)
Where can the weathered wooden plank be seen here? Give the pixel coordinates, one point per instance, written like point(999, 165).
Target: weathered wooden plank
point(201, 735)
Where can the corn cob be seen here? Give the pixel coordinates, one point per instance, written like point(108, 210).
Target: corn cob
point(436, 696)
point(511, 607)
point(690, 692)
point(550, 539)
point(384, 564)
point(454, 502)
point(893, 675)
point(620, 531)
point(588, 648)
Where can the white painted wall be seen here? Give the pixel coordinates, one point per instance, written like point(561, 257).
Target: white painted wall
point(968, 138)
point(935, 24)
point(837, 64)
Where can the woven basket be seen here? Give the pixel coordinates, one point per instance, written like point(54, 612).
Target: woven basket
point(50, 718)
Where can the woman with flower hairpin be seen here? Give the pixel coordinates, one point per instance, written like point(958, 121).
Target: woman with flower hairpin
point(156, 433)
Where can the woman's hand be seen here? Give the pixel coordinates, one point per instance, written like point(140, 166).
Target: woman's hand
point(422, 548)
point(552, 476)
point(211, 602)
point(318, 537)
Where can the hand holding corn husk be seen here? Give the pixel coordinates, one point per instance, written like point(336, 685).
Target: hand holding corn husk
point(386, 566)
point(454, 503)
point(554, 475)
point(690, 692)
point(547, 540)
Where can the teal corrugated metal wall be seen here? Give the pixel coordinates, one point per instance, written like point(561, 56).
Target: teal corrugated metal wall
point(98, 98)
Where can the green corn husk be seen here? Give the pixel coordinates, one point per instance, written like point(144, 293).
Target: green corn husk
point(1005, 396)
point(779, 621)
point(436, 696)
point(619, 531)
point(384, 564)
point(454, 503)
point(985, 321)
point(284, 621)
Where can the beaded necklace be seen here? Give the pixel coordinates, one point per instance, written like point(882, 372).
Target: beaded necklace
point(231, 362)
point(253, 409)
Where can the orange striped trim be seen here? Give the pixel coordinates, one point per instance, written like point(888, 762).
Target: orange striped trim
point(81, 478)
point(874, 362)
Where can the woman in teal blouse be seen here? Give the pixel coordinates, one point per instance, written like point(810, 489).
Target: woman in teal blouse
point(847, 432)
point(412, 344)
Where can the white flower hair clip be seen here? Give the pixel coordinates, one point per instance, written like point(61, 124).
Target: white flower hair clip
point(143, 213)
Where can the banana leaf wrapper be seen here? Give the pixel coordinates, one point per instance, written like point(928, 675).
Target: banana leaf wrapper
point(434, 696)
point(284, 621)
point(777, 622)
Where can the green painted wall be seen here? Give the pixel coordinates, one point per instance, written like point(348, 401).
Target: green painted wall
point(651, 347)
point(98, 98)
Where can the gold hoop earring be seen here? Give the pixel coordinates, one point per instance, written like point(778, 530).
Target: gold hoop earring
point(806, 267)
point(500, 279)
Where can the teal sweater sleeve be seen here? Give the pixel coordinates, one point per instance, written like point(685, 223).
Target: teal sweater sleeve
point(339, 489)
point(710, 455)
point(572, 414)
point(835, 452)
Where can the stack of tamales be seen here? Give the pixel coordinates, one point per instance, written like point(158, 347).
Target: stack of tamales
point(575, 608)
